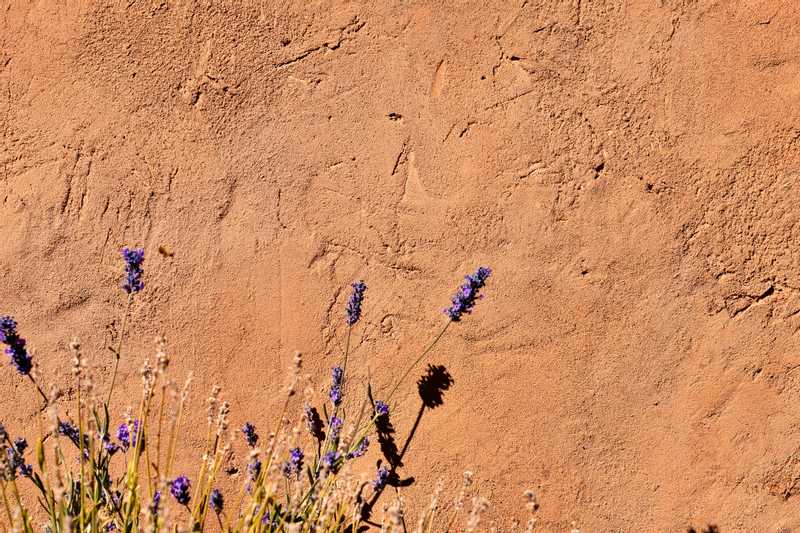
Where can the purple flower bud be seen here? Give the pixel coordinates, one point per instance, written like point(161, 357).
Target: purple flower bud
point(133, 257)
point(336, 385)
point(294, 465)
point(361, 450)
point(381, 478)
point(250, 434)
point(354, 303)
point(381, 409)
point(20, 358)
point(179, 488)
point(464, 299)
point(217, 501)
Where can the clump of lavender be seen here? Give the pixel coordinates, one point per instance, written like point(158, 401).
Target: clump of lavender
point(381, 478)
point(294, 465)
point(464, 299)
point(217, 501)
point(179, 488)
point(336, 385)
point(250, 434)
point(134, 257)
point(20, 357)
point(381, 409)
point(361, 450)
point(354, 303)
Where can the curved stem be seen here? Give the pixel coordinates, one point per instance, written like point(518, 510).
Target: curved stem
point(119, 347)
point(418, 359)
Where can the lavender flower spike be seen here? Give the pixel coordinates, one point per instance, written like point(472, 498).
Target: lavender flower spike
point(336, 385)
point(381, 478)
point(250, 434)
point(354, 303)
point(20, 357)
point(179, 488)
point(464, 299)
point(381, 409)
point(134, 257)
point(294, 466)
point(217, 501)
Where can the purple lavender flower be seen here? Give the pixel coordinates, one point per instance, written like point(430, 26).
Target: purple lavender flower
point(294, 465)
point(20, 358)
point(179, 488)
point(124, 436)
point(250, 434)
point(111, 526)
point(109, 446)
point(217, 501)
point(335, 427)
point(134, 257)
point(254, 468)
point(381, 478)
point(26, 470)
point(127, 434)
point(464, 299)
point(70, 431)
point(336, 385)
point(354, 303)
point(330, 459)
point(361, 450)
point(381, 409)
point(156, 502)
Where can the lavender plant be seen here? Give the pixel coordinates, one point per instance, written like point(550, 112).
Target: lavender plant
point(293, 481)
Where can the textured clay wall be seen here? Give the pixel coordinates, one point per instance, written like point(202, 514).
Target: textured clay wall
point(628, 168)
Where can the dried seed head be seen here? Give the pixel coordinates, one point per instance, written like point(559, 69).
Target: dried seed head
point(212, 402)
point(162, 359)
point(479, 506)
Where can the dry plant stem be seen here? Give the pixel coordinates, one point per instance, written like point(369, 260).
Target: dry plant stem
point(38, 388)
point(119, 347)
point(418, 359)
point(6, 505)
point(81, 458)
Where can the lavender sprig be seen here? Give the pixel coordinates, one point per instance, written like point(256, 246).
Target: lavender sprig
point(250, 434)
point(337, 376)
point(354, 303)
point(294, 465)
point(217, 501)
point(20, 358)
point(179, 488)
point(464, 299)
point(381, 478)
point(134, 257)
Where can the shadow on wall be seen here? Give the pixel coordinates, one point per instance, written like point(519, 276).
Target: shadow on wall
point(431, 387)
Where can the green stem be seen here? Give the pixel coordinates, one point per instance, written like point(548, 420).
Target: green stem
point(119, 347)
point(418, 359)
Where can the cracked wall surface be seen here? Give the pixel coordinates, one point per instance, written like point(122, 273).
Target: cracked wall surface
point(628, 169)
